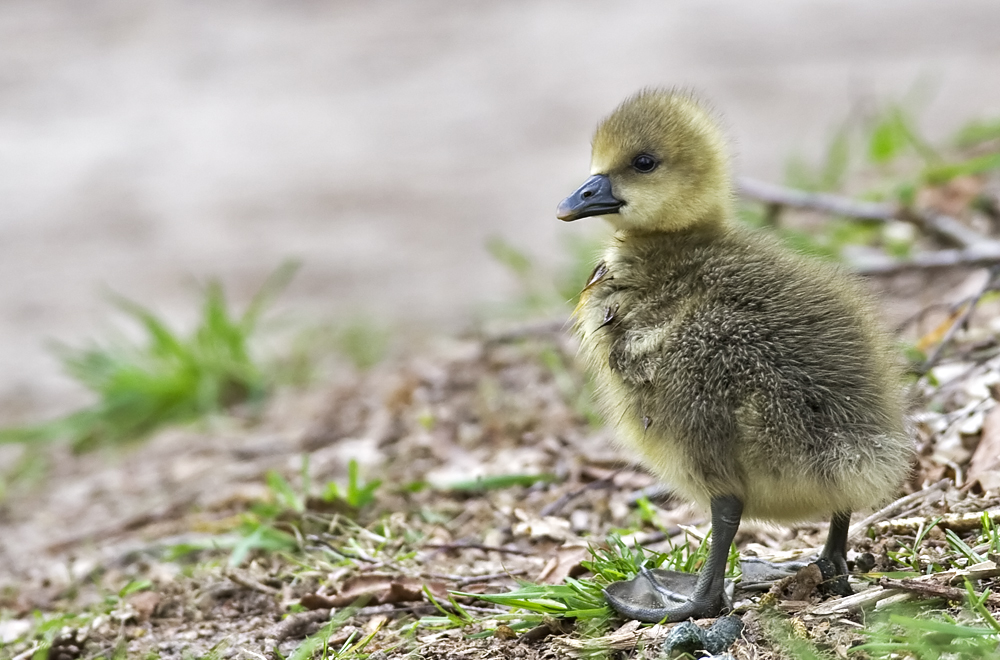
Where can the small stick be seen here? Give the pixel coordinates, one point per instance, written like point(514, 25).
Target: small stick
point(933, 589)
point(519, 331)
point(860, 527)
point(943, 226)
point(478, 546)
point(987, 254)
point(919, 316)
point(176, 509)
point(957, 522)
point(648, 538)
point(463, 580)
point(250, 583)
point(853, 602)
point(297, 624)
point(396, 608)
point(773, 194)
point(962, 320)
point(252, 654)
point(973, 249)
point(555, 507)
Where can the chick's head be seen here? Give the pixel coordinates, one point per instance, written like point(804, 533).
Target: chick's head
point(659, 163)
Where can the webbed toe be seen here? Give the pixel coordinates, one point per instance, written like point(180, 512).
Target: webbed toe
point(660, 595)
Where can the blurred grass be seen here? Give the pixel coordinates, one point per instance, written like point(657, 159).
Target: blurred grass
point(879, 156)
point(831, 171)
point(361, 340)
point(542, 291)
point(167, 378)
point(977, 132)
point(890, 141)
point(927, 633)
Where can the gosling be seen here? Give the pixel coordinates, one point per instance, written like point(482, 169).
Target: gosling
point(752, 380)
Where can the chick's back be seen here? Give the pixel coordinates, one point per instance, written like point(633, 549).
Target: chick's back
point(735, 367)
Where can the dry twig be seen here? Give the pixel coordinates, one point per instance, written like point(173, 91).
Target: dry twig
point(963, 318)
point(556, 506)
point(944, 227)
point(853, 602)
point(465, 580)
point(860, 527)
point(973, 248)
point(977, 257)
point(933, 589)
point(478, 546)
point(771, 193)
point(628, 637)
point(298, 625)
point(956, 522)
point(248, 582)
point(525, 330)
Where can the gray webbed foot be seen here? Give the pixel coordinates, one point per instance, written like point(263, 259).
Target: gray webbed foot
point(657, 595)
point(660, 595)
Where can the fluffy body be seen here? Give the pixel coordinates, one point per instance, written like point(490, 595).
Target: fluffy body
point(735, 368)
point(731, 365)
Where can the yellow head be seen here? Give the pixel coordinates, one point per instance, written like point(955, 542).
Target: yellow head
point(659, 163)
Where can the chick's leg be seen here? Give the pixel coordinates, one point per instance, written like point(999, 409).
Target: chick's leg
point(649, 602)
point(835, 549)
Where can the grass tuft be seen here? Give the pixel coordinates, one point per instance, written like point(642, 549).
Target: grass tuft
point(167, 378)
point(927, 635)
point(358, 494)
point(583, 599)
point(977, 132)
point(499, 482)
point(319, 643)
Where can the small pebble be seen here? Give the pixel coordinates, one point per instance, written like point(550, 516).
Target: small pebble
point(685, 637)
point(723, 633)
point(865, 562)
point(834, 584)
point(688, 638)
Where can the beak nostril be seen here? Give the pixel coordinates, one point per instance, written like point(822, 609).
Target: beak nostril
point(594, 197)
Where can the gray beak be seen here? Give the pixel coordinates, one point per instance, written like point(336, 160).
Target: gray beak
point(594, 197)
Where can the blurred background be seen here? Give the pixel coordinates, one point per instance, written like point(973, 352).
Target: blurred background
point(147, 146)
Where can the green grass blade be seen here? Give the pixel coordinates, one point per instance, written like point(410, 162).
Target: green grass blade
point(500, 482)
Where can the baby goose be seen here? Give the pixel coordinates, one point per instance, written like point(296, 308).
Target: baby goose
point(752, 380)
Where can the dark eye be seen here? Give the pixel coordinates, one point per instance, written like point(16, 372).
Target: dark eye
point(644, 163)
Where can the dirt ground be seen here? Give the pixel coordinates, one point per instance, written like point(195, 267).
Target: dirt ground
point(474, 407)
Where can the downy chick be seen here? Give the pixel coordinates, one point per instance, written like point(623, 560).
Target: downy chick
point(752, 380)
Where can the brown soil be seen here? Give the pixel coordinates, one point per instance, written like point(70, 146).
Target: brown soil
point(467, 408)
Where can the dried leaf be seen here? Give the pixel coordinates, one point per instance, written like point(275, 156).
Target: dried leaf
point(804, 583)
point(934, 337)
point(548, 527)
point(984, 466)
point(315, 602)
point(376, 590)
point(565, 563)
point(628, 637)
point(144, 603)
point(504, 632)
point(951, 198)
